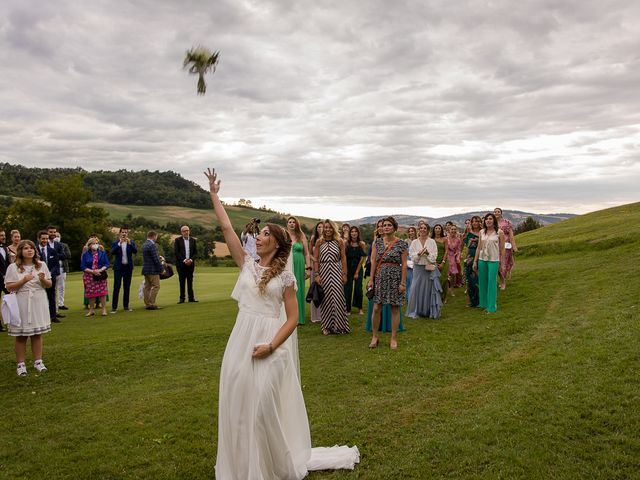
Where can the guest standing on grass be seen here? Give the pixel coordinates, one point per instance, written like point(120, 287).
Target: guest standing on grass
point(426, 295)
point(332, 276)
point(4, 263)
point(488, 262)
point(344, 232)
point(13, 248)
point(388, 278)
point(301, 261)
point(123, 249)
point(412, 234)
point(151, 269)
point(317, 235)
point(355, 253)
point(248, 237)
point(471, 243)
point(28, 277)
point(454, 251)
point(49, 256)
point(510, 246)
point(94, 264)
point(64, 269)
point(185, 250)
point(385, 317)
point(56, 275)
point(438, 234)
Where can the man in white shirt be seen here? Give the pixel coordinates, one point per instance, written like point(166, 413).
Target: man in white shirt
point(185, 251)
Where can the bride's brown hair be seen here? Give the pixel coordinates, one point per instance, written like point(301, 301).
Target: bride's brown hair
point(279, 261)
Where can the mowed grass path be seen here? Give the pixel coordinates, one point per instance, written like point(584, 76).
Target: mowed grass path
point(546, 388)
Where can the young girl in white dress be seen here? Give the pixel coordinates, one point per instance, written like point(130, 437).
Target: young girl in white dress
point(263, 429)
point(28, 277)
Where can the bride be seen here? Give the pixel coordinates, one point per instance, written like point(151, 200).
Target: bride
point(263, 430)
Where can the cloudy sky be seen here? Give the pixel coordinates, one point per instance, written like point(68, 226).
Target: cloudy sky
point(337, 108)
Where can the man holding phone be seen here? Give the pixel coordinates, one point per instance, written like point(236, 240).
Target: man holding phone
point(123, 249)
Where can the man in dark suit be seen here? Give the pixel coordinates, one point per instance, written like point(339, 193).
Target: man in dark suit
point(151, 269)
point(4, 263)
point(185, 251)
point(49, 255)
point(122, 250)
point(53, 233)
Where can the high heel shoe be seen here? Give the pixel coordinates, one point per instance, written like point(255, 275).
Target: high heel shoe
point(374, 343)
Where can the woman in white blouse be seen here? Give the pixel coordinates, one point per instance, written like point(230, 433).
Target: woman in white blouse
point(28, 277)
point(426, 292)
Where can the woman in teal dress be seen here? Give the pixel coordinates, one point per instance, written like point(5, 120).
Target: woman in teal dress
point(301, 262)
point(385, 315)
point(442, 262)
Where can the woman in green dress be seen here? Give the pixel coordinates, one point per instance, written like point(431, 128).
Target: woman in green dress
point(471, 244)
point(438, 234)
point(301, 262)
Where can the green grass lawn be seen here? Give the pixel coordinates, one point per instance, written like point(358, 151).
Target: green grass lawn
point(546, 388)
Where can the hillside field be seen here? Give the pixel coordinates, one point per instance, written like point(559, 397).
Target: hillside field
point(239, 216)
point(547, 387)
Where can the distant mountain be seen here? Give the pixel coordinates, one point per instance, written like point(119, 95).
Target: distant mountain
point(515, 216)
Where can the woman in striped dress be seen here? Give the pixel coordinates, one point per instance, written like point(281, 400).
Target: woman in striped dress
point(332, 275)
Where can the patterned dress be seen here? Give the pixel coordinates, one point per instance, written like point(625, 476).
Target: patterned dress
point(94, 288)
point(332, 312)
point(389, 276)
point(471, 241)
point(507, 228)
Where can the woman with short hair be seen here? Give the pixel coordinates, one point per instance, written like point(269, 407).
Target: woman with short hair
point(389, 278)
point(94, 264)
point(28, 277)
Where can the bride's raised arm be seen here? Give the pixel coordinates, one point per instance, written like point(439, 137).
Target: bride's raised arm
point(230, 236)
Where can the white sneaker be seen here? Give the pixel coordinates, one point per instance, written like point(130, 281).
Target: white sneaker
point(21, 369)
point(113, 312)
point(39, 366)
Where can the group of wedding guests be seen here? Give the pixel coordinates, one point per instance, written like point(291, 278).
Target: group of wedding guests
point(36, 272)
point(418, 271)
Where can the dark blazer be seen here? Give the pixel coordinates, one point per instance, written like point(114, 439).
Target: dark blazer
point(116, 251)
point(4, 263)
point(151, 264)
point(87, 259)
point(57, 246)
point(180, 253)
point(52, 260)
point(67, 256)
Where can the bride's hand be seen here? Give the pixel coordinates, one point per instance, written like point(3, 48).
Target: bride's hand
point(214, 183)
point(262, 350)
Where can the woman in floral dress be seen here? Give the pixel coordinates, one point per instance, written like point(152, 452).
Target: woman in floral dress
point(94, 262)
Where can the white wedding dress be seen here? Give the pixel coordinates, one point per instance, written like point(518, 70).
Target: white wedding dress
point(263, 429)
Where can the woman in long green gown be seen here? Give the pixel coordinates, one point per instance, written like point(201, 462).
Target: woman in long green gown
point(301, 263)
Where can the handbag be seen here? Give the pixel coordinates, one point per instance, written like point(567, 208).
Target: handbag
point(315, 294)
point(103, 275)
point(167, 272)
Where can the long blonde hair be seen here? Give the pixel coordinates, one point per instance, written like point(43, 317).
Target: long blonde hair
point(336, 235)
point(279, 261)
point(20, 259)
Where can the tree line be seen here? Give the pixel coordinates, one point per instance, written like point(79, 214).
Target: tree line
point(123, 187)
